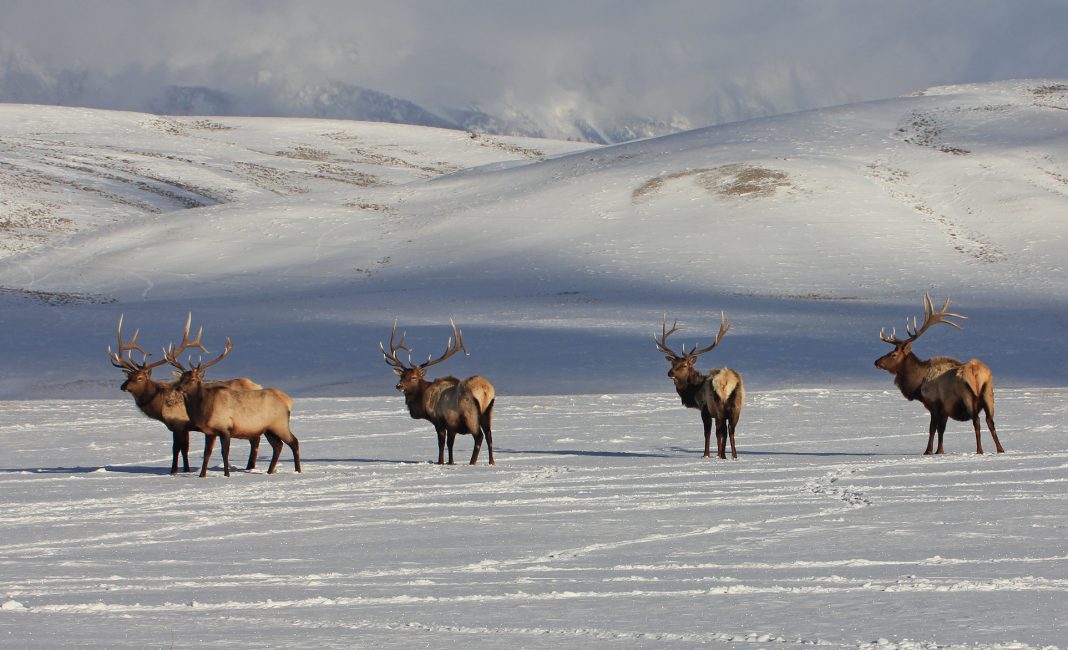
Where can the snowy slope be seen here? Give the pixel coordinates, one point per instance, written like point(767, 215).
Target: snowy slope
point(817, 228)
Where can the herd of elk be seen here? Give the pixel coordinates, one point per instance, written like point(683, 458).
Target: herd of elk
point(161, 400)
point(451, 405)
point(240, 408)
point(946, 387)
point(719, 395)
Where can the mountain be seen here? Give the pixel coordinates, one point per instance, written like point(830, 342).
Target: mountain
point(304, 239)
point(24, 81)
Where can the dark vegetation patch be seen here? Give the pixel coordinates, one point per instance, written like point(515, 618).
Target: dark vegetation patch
point(728, 181)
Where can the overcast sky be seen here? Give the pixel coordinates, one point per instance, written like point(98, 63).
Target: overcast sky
point(703, 61)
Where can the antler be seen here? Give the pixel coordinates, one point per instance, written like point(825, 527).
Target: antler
point(170, 353)
point(391, 356)
point(454, 345)
point(661, 344)
point(930, 317)
point(128, 363)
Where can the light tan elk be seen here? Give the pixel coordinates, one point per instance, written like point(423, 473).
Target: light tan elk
point(161, 400)
point(719, 395)
point(451, 405)
point(945, 386)
point(224, 412)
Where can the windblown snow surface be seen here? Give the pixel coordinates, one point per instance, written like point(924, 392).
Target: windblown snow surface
point(600, 525)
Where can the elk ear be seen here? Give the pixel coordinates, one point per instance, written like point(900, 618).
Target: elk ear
point(670, 359)
point(176, 374)
point(398, 372)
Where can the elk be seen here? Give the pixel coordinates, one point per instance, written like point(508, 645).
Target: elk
point(946, 387)
point(160, 400)
point(719, 395)
point(226, 412)
point(451, 405)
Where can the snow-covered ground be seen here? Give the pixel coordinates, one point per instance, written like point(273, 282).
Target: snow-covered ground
point(601, 525)
point(302, 240)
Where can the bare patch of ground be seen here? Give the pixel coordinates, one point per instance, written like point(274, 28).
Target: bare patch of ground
point(342, 174)
point(925, 130)
point(59, 298)
point(270, 178)
point(372, 207)
point(728, 181)
point(494, 143)
point(304, 152)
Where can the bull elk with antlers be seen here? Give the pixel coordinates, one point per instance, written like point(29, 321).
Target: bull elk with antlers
point(161, 400)
point(451, 405)
point(718, 396)
point(224, 412)
point(946, 387)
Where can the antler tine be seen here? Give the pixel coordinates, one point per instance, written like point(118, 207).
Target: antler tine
point(664, 334)
point(454, 345)
point(930, 317)
point(127, 348)
point(229, 346)
point(724, 327)
point(170, 353)
point(391, 356)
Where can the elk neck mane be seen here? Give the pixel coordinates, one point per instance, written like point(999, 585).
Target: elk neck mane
point(694, 386)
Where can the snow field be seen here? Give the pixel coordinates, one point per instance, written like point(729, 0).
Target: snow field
point(600, 525)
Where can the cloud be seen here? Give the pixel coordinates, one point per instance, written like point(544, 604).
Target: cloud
point(683, 61)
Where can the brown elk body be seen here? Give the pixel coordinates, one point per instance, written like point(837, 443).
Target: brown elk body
point(451, 405)
point(225, 412)
point(161, 400)
point(946, 387)
point(719, 395)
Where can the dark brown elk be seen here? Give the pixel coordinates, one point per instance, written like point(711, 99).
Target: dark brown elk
point(161, 401)
point(225, 412)
point(451, 405)
point(946, 387)
point(718, 396)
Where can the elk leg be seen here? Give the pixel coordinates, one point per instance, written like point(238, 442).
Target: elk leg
point(209, 445)
point(254, 450)
point(993, 432)
point(489, 440)
point(225, 445)
point(978, 438)
point(732, 423)
point(930, 436)
point(478, 446)
point(721, 438)
point(706, 420)
point(942, 421)
point(276, 451)
point(452, 441)
point(295, 448)
point(179, 445)
point(441, 446)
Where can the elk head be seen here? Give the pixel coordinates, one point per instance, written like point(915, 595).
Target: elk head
point(137, 374)
point(682, 371)
point(411, 374)
point(194, 374)
point(894, 360)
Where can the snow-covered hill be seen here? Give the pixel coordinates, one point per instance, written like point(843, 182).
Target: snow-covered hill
point(303, 240)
